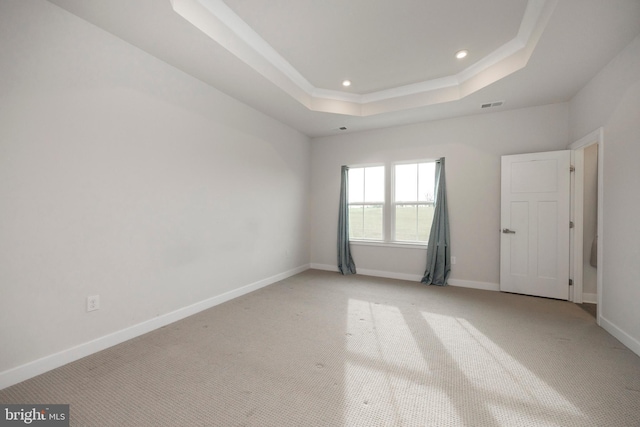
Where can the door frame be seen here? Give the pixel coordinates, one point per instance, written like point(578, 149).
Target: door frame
point(577, 211)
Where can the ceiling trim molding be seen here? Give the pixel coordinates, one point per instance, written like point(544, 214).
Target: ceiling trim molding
point(223, 25)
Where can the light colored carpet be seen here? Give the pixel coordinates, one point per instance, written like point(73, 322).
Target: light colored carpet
point(592, 309)
point(320, 349)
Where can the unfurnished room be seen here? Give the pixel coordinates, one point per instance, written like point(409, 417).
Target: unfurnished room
point(320, 213)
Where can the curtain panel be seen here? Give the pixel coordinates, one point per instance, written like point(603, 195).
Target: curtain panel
point(439, 245)
point(345, 261)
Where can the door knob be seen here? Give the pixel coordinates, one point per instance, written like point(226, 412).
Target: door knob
point(507, 231)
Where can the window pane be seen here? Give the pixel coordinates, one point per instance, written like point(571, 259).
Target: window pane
point(425, 218)
point(406, 179)
point(413, 222)
point(356, 222)
point(374, 184)
point(406, 222)
point(356, 185)
point(372, 222)
point(426, 181)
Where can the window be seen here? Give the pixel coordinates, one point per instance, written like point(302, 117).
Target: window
point(366, 203)
point(407, 218)
point(413, 198)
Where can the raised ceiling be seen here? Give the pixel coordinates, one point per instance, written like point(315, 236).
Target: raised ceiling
point(318, 39)
point(393, 81)
point(287, 59)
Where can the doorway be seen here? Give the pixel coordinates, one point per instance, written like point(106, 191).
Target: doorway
point(587, 198)
point(590, 226)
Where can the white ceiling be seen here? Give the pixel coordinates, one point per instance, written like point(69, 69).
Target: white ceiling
point(381, 44)
point(288, 59)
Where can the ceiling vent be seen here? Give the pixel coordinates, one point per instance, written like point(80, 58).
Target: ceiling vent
point(492, 104)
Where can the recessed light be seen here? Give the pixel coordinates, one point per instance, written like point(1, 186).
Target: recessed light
point(346, 83)
point(462, 53)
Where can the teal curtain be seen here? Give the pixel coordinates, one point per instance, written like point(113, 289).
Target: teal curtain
point(345, 261)
point(439, 245)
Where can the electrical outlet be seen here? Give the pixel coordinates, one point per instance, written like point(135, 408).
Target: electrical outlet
point(453, 260)
point(93, 303)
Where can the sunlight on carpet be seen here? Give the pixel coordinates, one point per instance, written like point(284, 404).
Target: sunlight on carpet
point(405, 362)
point(510, 391)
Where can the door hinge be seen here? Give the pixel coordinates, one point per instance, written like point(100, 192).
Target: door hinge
point(571, 224)
point(572, 168)
point(570, 282)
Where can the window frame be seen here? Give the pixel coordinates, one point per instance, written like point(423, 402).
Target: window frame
point(364, 203)
point(393, 203)
point(388, 207)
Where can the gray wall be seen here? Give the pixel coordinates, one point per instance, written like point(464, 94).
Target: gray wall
point(124, 177)
point(472, 146)
point(612, 101)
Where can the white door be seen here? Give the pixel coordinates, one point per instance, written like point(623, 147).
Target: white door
point(535, 214)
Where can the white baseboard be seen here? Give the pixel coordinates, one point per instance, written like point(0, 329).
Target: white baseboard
point(374, 273)
point(389, 275)
point(622, 336)
point(47, 363)
point(413, 277)
point(485, 286)
point(590, 298)
point(325, 267)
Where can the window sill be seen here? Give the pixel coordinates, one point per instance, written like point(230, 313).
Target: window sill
point(422, 246)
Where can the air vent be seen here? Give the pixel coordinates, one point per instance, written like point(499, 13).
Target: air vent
point(492, 104)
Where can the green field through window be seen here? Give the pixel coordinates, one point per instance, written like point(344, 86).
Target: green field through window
point(413, 222)
point(411, 212)
point(366, 222)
